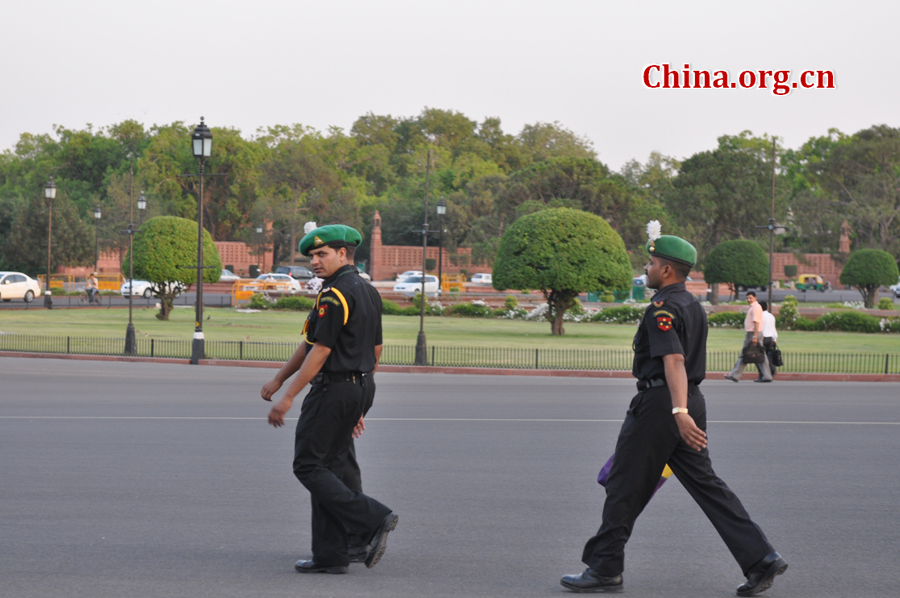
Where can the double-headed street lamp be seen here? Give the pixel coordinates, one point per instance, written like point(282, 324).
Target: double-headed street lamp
point(49, 195)
point(96, 236)
point(130, 342)
point(201, 145)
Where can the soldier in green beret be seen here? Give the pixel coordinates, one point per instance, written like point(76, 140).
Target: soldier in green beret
point(341, 349)
point(666, 424)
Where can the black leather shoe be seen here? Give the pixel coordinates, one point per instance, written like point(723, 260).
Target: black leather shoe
point(761, 380)
point(762, 574)
point(379, 540)
point(357, 554)
point(730, 377)
point(310, 566)
point(588, 581)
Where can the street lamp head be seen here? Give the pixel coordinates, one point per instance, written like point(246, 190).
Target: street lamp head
point(97, 211)
point(201, 141)
point(50, 189)
point(441, 207)
point(258, 229)
point(142, 202)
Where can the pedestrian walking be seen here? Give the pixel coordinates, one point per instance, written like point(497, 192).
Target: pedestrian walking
point(753, 323)
point(770, 339)
point(341, 349)
point(666, 424)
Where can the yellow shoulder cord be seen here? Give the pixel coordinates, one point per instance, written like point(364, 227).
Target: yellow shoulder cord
point(343, 303)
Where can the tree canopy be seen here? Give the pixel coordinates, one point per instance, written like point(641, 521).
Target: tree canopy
point(562, 252)
point(285, 175)
point(165, 252)
point(868, 269)
point(737, 263)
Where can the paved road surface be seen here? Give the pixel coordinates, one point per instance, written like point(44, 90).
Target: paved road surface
point(144, 480)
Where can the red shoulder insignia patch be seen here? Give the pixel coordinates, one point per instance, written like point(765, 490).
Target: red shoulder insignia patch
point(322, 310)
point(659, 303)
point(664, 323)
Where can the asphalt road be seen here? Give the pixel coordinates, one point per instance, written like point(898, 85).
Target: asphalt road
point(144, 480)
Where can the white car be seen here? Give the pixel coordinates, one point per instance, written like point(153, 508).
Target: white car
point(482, 278)
point(293, 284)
point(413, 285)
point(143, 288)
point(896, 290)
point(228, 276)
point(408, 274)
point(15, 285)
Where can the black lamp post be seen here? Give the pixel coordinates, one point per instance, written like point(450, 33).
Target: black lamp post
point(441, 210)
point(421, 346)
point(49, 195)
point(259, 230)
point(96, 237)
point(130, 342)
point(201, 145)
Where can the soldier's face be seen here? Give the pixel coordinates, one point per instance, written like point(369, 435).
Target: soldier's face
point(326, 260)
point(653, 269)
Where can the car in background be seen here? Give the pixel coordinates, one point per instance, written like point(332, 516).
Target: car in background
point(639, 281)
point(292, 283)
point(896, 289)
point(15, 285)
point(228, 276)
point(408, 274)
point(295, 272)
point(413, 285)
point(482, 278)
point(143, 288)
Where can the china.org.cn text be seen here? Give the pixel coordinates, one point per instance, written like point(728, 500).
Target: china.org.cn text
point(663, 76)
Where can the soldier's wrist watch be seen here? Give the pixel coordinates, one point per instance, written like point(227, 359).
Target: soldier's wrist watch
point(677, 410)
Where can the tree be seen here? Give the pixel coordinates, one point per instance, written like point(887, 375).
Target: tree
point(737, 263)
point(562, 252)
point(165, 252)
point(26, 246)
point(868, 269)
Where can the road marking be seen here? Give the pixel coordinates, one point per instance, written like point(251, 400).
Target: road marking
point(441, 419)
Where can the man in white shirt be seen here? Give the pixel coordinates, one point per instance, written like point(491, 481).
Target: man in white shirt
point(753, 324)
point(770, 336)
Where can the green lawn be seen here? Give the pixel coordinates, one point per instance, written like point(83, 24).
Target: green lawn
point(225, 324)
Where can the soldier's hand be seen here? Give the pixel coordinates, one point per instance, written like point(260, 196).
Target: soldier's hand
point(692, 435)
point(276, 415)
point(269, 389)
point(358, 429)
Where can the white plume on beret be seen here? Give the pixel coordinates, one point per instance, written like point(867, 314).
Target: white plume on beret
point(311, 226)
point(654, 230)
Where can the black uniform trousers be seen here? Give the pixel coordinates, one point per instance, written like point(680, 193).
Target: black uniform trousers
point(325, 463)
point(648, 440)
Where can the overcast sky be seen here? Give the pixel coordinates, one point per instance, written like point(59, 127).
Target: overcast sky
point(255, 64)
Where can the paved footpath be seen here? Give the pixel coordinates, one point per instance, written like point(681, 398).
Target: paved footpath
point(144, 479)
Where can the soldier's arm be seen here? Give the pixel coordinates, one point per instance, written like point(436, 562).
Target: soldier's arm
point(676, 380)
point(313, 362)
point(287, 370)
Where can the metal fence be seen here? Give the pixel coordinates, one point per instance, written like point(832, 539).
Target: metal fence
point(458, 356)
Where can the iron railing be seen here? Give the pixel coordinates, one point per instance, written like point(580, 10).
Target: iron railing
point(453, 356)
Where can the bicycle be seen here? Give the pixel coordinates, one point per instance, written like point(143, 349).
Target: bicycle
point(84, 299)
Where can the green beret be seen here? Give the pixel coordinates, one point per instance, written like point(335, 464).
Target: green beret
point(333, 235)
point(673, 248)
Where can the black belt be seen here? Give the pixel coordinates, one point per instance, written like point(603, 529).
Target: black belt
point(651, 383)
point(332, 377)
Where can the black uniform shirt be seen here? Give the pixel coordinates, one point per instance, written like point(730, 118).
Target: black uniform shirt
point(346, 319)
point(673, 323)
